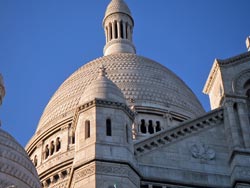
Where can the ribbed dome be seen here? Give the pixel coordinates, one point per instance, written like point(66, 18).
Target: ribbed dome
point(102, 88)
point(116, 6)
point(16, 169)
point(142, 80)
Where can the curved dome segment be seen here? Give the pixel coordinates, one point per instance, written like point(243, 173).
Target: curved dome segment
point(117, 6)
point(141, 80)
point(102, 88)
point(16, 169)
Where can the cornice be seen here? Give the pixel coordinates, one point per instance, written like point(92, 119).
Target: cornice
point(242, 58)
point(104, 103)
point(211, 77)
point(175, 134)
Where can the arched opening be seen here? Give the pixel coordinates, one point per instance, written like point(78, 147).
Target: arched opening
point(150, 127)
point(58, 144)
point(110, 31)
point(121, 27)
point(108, 127)
point(87, 129)
point(35, 160)
point(158, 126)
point(143, 127)
point(46, 151)
point(52, 148)
point(116, 30)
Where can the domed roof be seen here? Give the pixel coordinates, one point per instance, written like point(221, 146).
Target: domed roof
point(141, 80)
point(116, 6)
point(16, 169)
point(102, 88)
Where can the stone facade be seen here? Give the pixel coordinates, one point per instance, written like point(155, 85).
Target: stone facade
point(123, 120)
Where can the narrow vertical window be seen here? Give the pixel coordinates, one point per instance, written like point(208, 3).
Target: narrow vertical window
point(87, 129)
point(35, 160)
point(121, 26)
point(58, 144)
point(116, 30)
point(111, 34)
point(158, 126)
point(143, 127)
point(108, 127)
point(150, 127)
point(52, 148)
point(46, 151)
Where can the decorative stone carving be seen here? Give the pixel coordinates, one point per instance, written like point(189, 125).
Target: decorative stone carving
point(202, 151)
point(85, 172)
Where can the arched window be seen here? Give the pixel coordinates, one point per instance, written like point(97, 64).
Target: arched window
point(158, 126)
point(58, 144)
point(87, 129)
point(108, 127)
point(116, 30)
point(143, 127)
point(35, 160)
point(46, 151)
point(121, 26)
point(150, 127)
point(111, 31)
point(52, 148)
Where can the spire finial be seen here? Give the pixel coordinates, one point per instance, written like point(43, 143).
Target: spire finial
point(248, 43)
point(118, 26)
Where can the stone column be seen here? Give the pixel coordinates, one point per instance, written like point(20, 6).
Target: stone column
point(244, 123)
point(109, 33)
point(128, 31)
point(154, 126)
point(124, 30)
point(237, 140)
point(118, 29)
point(106, 33)
point(146, 124)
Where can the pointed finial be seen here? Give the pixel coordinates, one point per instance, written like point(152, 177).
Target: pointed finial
point(102, 71)
point(248, 43)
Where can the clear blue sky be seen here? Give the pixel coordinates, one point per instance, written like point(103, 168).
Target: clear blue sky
point(42, 42)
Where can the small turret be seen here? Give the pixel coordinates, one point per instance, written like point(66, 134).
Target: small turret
point(118, 26)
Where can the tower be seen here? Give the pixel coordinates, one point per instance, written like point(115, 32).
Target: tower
point(228, 87)
point(118, 26)
point(104, 144)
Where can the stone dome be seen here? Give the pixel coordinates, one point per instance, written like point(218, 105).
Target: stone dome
point(16, 168)
point(117, 6)
point(102, 88)
point(141, 80)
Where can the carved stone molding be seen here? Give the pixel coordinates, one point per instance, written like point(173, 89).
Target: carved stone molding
point(121, 170)
point(85, 172)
